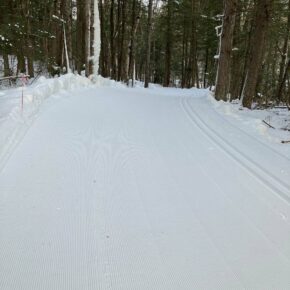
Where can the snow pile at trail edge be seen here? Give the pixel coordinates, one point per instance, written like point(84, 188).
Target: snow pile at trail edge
point(252, 122)
point(14, 121)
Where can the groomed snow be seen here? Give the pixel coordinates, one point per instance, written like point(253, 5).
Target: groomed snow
point(14, 121)
point(116, 188)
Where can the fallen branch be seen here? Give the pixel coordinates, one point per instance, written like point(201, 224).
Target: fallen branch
point(268, 124)
point(281, 107)
point(12, 80)
point(14, 77)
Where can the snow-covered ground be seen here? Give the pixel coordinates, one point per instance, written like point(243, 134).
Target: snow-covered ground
point(16, 118)
point(271, 124)
point(117, 188)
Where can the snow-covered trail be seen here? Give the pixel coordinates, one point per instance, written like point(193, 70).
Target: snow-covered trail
point(133, 189)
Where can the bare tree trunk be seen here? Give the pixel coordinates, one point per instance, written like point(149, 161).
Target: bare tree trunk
point(87, 36)
point(283, 63)
point(29, 50)
point(148, 43)
point(135, 24)
point(57, 45)
point(246, 61)
point(118, 40)
point(262, 19)
point(284, 78)
point(6, 65)
point(26, 52)
point(92, 31)
point(184, 54)
point(104, 57)
point(21, 67)
point(80, 37)
point(224, 64)
point(67, 15)
point(205, 68)
point(112, 40)
point(168, 52)
point(237, 58)
point(193, 46)
point(121, 59)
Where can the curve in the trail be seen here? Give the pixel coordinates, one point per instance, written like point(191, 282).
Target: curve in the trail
point(259, 203)
point(277, 185)
point(271, 149)
point(128, 189)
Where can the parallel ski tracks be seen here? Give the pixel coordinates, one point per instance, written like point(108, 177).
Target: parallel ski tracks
point(253, 137)
point(279, 187)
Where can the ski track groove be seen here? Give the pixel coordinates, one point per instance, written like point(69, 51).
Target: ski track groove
point(283, 250)
point(261, 197)
point(244, 132)
point(231, 199)
point(118, 214)
point(267, 202)
point(281, 188)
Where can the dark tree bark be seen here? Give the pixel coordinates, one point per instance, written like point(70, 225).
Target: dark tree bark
point(104, 57)
point(131, 48)
point(80, 41)
point(6, 65)
point(237, 58)
point(92, 35)
point(148, 43)
point(168, 50)
point(112, 40)
point(21, 67)
point(205, 68)
point(29, 49)
point(283, 80)
point(87, 36)
point(122, 55)
point(262, 19)
point(184, 54)
point(224, 64)
point(57, 42)
point(283, 64)
point(193, 46)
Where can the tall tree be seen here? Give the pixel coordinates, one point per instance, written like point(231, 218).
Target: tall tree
point(132, 46)
point(193, 45)
point(284, 67)
point(224, 63)
point(258, 40)
point(87, 36)
point(148, 43)
point(169, 40)
point(112, 40)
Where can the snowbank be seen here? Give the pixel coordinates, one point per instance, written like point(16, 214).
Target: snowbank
point(269, 125)
point(14, 121)
point(99, 81)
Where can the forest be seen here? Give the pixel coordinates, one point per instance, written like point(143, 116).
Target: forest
point(237, 48)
